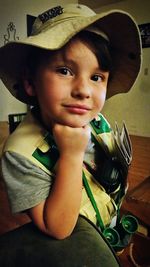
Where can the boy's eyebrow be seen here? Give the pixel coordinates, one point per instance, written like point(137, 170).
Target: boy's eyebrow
point(72, 62)
point(69, 62)
point(63, 58)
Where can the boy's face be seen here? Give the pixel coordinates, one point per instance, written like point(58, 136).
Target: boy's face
point(70, 86)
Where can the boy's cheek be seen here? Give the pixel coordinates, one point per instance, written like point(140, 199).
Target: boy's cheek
point(99, 105)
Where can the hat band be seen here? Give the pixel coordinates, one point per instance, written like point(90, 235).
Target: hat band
point(97, 31)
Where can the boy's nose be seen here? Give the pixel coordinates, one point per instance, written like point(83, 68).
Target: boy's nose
point(81, 89)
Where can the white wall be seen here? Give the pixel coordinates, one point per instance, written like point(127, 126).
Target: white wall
point(133, 107)
point(15, 11)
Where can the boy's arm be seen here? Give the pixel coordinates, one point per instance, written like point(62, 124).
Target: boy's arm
point(57, 215)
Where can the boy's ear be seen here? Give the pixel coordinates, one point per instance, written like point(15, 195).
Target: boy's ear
point(29, 88)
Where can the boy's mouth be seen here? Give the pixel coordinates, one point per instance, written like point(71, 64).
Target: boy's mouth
point(77, 108)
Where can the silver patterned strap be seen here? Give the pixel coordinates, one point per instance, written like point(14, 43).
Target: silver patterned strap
point(123, 148)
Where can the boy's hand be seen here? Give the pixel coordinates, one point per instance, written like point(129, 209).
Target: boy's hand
point(71, 140)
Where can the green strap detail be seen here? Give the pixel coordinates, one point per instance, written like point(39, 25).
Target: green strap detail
point(49, 158)
point(93, 202)
point(100, 125)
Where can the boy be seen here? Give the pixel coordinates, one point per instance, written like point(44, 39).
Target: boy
point(54, 163)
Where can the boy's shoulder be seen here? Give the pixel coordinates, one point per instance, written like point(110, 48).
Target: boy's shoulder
point(27, 138)
point(27, 134)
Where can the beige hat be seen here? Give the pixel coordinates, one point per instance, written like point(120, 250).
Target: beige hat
point(55, 27)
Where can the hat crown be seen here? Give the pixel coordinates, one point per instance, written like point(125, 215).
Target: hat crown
point(60, 13)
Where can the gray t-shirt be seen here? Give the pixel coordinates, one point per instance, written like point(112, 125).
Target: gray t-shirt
point(27, 184)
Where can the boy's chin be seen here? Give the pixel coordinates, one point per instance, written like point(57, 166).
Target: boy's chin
point(72, 123)
point(77, 125)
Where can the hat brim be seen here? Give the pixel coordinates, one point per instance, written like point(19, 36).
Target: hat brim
point(120, 28)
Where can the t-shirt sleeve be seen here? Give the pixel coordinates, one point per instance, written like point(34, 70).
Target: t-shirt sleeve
point(27, 185)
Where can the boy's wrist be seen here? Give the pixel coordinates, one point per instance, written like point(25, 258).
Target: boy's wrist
point(75, 158)
point(72, 156)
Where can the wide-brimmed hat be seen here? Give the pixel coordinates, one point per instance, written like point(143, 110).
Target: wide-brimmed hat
point(55, 27)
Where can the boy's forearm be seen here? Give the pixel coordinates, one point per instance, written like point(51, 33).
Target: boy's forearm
point(63, 204)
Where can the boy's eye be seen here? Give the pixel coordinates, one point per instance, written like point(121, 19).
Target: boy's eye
point(97, 78)
point(64, 71)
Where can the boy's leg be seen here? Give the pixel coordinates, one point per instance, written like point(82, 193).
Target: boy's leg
point(28, 247)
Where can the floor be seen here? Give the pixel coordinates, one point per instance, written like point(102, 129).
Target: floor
point(137, 202)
